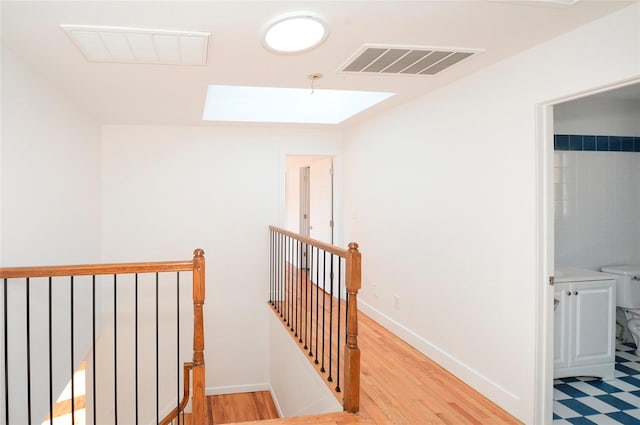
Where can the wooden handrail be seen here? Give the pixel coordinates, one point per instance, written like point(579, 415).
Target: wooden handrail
point(353, 283)
point(341, 252)
point(185, 396)
point(197, 266)
point(95, 269)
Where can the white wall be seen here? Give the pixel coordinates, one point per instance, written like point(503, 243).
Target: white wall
point(597, 194)
point(168, 190)
point(50, 173)
point(597, 205)
point(50, 214)
point(449, 227)
point(297, 388)
point(600, 117)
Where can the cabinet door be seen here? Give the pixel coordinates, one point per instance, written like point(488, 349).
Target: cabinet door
point(594, 331)
point(561, 327)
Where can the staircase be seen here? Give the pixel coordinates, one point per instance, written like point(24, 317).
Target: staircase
point(115, 310)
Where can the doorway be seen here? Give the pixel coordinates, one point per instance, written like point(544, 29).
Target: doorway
point(558, 117)
point(309, 197)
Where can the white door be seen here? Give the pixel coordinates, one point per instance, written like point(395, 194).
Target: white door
point(322, 215)
point(321, 202)
point(305, 211)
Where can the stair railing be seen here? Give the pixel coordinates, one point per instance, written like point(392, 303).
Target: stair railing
point(19, 406)
point(307, 293)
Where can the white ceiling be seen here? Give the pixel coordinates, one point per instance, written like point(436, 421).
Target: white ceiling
point(170, 94)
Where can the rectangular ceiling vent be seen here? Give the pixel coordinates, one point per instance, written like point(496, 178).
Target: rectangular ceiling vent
point(402, 60)
point(135, 45)
point(542, 3)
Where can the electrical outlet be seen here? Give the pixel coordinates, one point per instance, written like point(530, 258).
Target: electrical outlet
point(396, 300)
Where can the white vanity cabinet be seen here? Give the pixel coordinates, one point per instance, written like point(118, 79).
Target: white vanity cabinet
point(584, 339)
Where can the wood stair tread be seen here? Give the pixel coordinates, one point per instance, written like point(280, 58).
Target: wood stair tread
point(338, 418)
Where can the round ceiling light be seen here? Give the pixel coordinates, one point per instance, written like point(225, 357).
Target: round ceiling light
point(295, 33)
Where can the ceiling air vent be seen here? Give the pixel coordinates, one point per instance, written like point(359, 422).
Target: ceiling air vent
point(139, 45)
point(400, 60)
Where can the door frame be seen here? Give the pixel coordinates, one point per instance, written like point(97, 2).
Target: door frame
point(291, 195)
point(545, 247)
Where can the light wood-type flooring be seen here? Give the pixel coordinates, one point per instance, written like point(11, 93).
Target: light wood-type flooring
point(399, 385)
point(231, 408)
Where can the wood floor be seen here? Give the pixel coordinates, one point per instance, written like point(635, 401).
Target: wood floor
point(340, 418)
point(232, 408)
point(399, 385)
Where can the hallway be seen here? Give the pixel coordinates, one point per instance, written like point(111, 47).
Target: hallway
point(399, 385)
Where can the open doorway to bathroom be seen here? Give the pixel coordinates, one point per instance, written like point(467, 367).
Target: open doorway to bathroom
point(595, 179)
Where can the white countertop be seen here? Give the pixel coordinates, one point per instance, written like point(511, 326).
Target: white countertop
point(574, 274)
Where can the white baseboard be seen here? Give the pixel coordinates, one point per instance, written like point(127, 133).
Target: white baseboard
point(275, 402)
point(490, 389)
point(235, 389)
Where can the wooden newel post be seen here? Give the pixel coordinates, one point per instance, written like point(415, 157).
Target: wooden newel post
point(351, 399)
point(199, 400)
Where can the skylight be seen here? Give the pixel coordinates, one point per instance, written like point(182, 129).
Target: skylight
point(286, 105)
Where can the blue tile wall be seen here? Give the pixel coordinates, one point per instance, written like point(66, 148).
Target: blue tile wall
point(578, 142)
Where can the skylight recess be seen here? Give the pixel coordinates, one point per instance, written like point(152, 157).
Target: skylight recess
point(286, 105)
